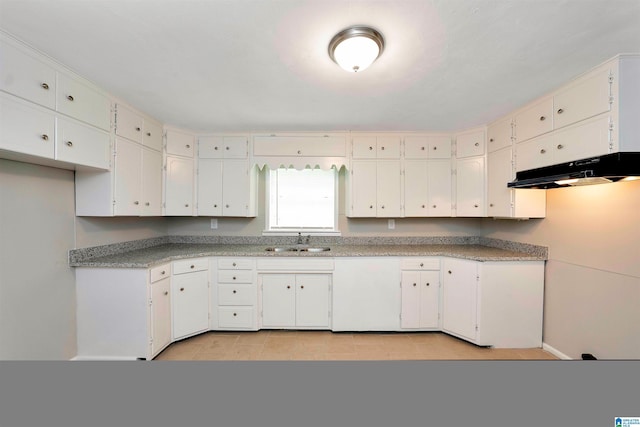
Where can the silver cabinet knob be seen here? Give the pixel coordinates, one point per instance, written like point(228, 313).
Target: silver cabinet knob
point(226, 206)
point(186, 205)
point(181, 289)
point(147, 204)
point(414, 285)
point(70, 97)
point(136, 202)
point(560, 111)
point(422, 148)
point(490, 140)
point(234, 264)
point(299, 152)
point(235, 314)
point(477, 144)
point(226, 148)
point(370, 148)
point(543, 151)
point(234, 291)
point(370, 206)
point(435, 148)
point(44, 86)
point(427, 283)
point(449, 272)
point(288, 287)
point(302, 287)
point(163, 272)
point(560, 146)
point(138, 129)
point(69, 144)
point(543, 118)
point(192, 266)
point(382, 148)
point(382, 206)
point(215, 148)
point(475, 206)
point(45, 137)
point(188, 146)
point(166, 292)
point(148, 133)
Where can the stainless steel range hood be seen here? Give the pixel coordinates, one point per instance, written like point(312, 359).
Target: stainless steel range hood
point(595, 170)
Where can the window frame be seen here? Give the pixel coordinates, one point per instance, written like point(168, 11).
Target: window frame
point(293, 231)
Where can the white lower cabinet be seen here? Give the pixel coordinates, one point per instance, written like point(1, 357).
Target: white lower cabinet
point(420, 284)
point(495, 304)
point(235, 295)
point(123, 313)
point(295, 300)
point(190, 297)
point(366, 294)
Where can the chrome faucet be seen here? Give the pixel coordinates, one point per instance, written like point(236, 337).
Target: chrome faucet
point(303, 242)
point(299, 241)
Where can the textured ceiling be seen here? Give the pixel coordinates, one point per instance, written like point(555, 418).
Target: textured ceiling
point(252, 65)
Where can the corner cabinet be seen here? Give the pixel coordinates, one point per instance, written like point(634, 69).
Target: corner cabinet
point(123, 313)
point(495, 304)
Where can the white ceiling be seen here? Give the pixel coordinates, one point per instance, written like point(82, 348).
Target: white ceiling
point(251, 65)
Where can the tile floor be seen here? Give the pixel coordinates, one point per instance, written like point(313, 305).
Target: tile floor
point(326, 345)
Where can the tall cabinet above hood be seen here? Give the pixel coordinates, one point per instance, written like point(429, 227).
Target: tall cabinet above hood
point(586, 132)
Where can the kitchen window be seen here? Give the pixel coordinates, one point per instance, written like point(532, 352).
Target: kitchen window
point(302, 201)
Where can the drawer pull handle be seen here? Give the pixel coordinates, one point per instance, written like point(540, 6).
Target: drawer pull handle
point(288, 287)
point(422, 148)
point(560, 146)
point(70, 97)
point(193, 266)
point(234, 264)
point(434, 206)
point(234, 277)
point(147, 204)
point(226, 206)
point(449, 271)
point(138, 129)
point(69, 144)
point(422, 206)
point(136, 203)
point(188, 146)
point(215, 206)
point(235, 314)
point(543, 151)
point(435, 148)
point(560, 111)
point(543, 118)
point(490, 205)
point(301, 287)
point(299, 152)
point(370, 206)
point(234, 291)
point(421, 264)
point(148, 133)
point(427, 283)
point(475, 206)
point(414, 285)
point(477, 144)
point(215, 148)
point(45, 137)
point(382, 148)
point(370, 148)
point(181, 289)
point(163, 272)
point(490, 140)
point(226, 148)
point(44, 86)
point(186, 205)
point(166, 292)
point(382, 206)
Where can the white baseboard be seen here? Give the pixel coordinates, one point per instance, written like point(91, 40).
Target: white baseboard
point(555, 352)
point(103, 358)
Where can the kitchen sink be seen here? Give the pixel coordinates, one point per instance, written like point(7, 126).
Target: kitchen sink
point(296, 249)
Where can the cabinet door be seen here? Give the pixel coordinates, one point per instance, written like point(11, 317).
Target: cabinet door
point(499, 135)
point(410, 285)
point(179, 186)
point(535, 120)
point(235, 188)
point(152, 136)
point(180, 143)
point(459, 305)
point(535, 153)
point(363, 189)
point(127, 178)
point(416, 187)
point(76, 99)
point(151, 183)
point(388, 147)
point(440, 186)
point(278, 300)
point(584, 140)
point(364, 147)
point(25, 76)
point(312, 300)
point(81, 144)
point(25, 128)
point(129, 124)
point(190, 299)
point(429, 299)
point(585, 98)
point(160, 315)
point(235, 147)
point(416, 147)
point(470, 187)
point(439, 147)
point(499, 173)
point(470, 144)
point(210, 187)
point(389, 185)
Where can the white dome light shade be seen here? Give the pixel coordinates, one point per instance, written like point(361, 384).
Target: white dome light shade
point(355, 48)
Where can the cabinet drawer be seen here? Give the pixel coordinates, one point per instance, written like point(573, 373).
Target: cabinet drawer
point(420, 264)
point(180, 143)
point(81, 144)
point(160, 272)
point(235, 264)
point(235, 317)
point(230, 276)
point(236, 294)
point(82, 102)
point(190, 265)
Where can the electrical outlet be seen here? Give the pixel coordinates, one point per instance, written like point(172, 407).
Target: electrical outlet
point(392, 224)
point(214, 223)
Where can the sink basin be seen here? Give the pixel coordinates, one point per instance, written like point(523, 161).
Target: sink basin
point(281, 249)
point(315, 249)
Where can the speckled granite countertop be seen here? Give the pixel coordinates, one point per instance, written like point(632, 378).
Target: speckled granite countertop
point(150, 252)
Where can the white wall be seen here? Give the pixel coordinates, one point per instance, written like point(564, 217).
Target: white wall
point(592, 282)
point(37, 287)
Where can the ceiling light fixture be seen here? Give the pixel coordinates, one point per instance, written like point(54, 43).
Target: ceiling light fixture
point(355, 48)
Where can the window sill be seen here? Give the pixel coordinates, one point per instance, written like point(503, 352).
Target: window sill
point(304, 232)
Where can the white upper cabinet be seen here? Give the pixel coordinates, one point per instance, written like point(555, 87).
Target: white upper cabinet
point(470, 187)
point(26, 128)
point(471, 143)
point(79, 100)
point(81, 144)
point(223, 147)
point(376, 146)
point(180, 143)
point(427, 147)
point(26, 76)
point(134, 126)
point(179, 186)
point(534, 120)
point(284, 145)
point(586, 97)
point(499, 135)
